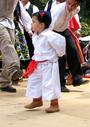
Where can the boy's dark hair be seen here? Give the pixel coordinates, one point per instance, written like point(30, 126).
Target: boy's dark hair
point(49, 5)
point(43, 17)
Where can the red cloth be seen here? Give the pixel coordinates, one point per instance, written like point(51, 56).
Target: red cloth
point(30, 69)
point(86, 76)
point(79, 51)
point(73, 24)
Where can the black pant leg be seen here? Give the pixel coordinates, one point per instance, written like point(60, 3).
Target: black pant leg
point(62, 64)
point(72, 56)
point(29, 44)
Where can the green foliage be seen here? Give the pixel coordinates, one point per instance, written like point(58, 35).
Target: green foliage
point(85, 8)
point(85, 30)
point(39, 3)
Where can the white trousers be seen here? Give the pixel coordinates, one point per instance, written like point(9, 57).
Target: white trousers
point(44, 81)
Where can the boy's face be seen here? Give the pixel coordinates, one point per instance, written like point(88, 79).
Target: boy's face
point(36, 25)
point(71, 5)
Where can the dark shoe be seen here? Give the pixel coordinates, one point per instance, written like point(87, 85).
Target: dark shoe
point(85, 66)
point(79, 82)
point(64, 89)
point(8, 89)
point(15, 82)
point(17, 75)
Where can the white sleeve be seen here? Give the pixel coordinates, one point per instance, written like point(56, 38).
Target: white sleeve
point(78, 20)
point(26, 19)
point(58, 42)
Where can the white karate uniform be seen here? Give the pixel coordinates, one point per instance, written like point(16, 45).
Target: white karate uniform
point(45, 80)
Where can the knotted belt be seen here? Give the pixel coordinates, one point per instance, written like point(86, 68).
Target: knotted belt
point(31, 67)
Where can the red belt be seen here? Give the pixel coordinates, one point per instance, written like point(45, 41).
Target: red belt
point(31, 67)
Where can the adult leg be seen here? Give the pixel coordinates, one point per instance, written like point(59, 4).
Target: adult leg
point(29, 44)
point(73, 60)
point(62, 65)
point(10, 62)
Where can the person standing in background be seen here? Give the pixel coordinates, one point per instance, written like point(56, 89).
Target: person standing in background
point(10, 62)
point(30, 8)
point(61, 14)
point(22, 20)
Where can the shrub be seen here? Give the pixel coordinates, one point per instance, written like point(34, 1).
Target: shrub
point(85, 29)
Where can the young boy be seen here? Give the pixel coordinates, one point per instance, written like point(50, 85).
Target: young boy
point(44, 82)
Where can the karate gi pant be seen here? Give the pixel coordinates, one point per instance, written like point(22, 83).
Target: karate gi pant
point(44, 81)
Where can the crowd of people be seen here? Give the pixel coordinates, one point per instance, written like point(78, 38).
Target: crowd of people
point(43, 43)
